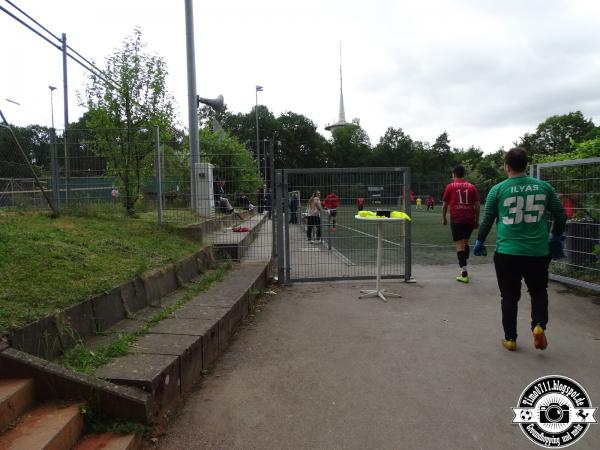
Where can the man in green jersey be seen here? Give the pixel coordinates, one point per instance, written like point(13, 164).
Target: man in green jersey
point(520, 205)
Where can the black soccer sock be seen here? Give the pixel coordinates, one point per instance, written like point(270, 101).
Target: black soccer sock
point(462, 261)
point(467, 250)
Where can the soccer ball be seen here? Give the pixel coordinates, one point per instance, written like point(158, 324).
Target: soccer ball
point(526, 415)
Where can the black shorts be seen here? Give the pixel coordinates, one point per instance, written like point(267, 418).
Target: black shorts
point(461, 231)
point(333, 212)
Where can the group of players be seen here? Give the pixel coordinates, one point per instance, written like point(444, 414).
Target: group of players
point(524, 247)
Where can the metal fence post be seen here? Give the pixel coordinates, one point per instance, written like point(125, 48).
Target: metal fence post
point(286, 223)
point(54, 170)
point(275, 196)
point(407, 229)
point(280, 221)
point(157, 164)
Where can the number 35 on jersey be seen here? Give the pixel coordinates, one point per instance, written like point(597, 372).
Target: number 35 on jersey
point(528, 209)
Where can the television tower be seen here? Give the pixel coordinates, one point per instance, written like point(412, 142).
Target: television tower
point(342, 114)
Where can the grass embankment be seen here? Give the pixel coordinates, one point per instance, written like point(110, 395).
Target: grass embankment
point(49, 264)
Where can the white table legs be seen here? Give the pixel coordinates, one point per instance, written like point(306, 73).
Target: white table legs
point(378, 291)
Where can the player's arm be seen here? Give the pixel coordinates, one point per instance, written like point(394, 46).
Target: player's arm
point(445, 202)
point(489, 215)
point(444, 213)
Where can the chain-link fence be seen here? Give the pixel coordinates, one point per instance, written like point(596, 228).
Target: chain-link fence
point(577, 183)
point(147, 176)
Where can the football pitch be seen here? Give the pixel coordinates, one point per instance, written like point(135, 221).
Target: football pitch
point(431, 241)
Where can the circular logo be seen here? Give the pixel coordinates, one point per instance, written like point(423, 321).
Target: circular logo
point(554, 411)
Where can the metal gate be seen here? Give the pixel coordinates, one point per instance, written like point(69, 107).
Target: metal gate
point(337, 246)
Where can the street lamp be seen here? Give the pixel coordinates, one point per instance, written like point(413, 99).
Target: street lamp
point(52, 88)
point(258, 89)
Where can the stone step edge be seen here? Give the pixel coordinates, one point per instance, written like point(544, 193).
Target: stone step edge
point(109, 441)
point(19, 397)
point(47, 426)
point(53, 381)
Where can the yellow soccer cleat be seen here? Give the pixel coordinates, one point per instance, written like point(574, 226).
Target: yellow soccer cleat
point(462, 279)
point(539, 338)
point(509, 344)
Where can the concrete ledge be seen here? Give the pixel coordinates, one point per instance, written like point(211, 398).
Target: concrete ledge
point(200, 231)
point(40, 338)
point(186, 269)
point(52, 381)
point(75, 323)
point(50, 336)
point(108, 309)
point(154, 373)
point(133, 296)
point(159, 283)
point(162, 365)
point(188, 348)
point(235, 244)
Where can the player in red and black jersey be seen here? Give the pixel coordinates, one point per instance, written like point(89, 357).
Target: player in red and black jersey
point(331, 203)
point(462, 198)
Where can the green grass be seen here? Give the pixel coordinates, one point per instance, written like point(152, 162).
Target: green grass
point(431, 241)
point(85, 359)
point(49, 264)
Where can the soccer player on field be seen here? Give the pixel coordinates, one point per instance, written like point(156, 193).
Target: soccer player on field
point(463, 200)
point(331, 203)
point(520, 204)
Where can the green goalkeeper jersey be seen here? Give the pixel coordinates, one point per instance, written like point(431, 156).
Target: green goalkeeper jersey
point(520, 205)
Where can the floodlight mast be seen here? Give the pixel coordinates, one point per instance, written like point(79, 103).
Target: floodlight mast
point(192, 98)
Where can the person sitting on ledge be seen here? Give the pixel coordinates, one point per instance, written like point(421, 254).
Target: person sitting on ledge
point(221, 202)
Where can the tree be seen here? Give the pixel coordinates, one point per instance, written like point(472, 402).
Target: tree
point(231, 160)
point(395, 148)
point(350, 147)
point(35, 141)
point(124, 112)
point(558, 134)
point(441, 153)
point(299, 144)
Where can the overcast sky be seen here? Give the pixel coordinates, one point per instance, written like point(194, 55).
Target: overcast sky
point(485, 71)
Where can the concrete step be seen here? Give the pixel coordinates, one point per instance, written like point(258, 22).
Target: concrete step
point(16, 397)
point(110, 441)
point(47, 427)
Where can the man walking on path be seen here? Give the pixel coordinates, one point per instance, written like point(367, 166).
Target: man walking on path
point(520, 204)
point(463, 200)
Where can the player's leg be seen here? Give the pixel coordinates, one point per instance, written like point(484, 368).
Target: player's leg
point(458, 235)
point(309, 227)
point(333, 218)
point(536, 279)
point(508, 273)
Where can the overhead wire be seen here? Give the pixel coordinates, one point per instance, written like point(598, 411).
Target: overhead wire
point(86, 64)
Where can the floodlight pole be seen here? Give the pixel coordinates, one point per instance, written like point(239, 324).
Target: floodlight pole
point(66, 110)
point(258, 88)
point(52, 89)
point(192, 98)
